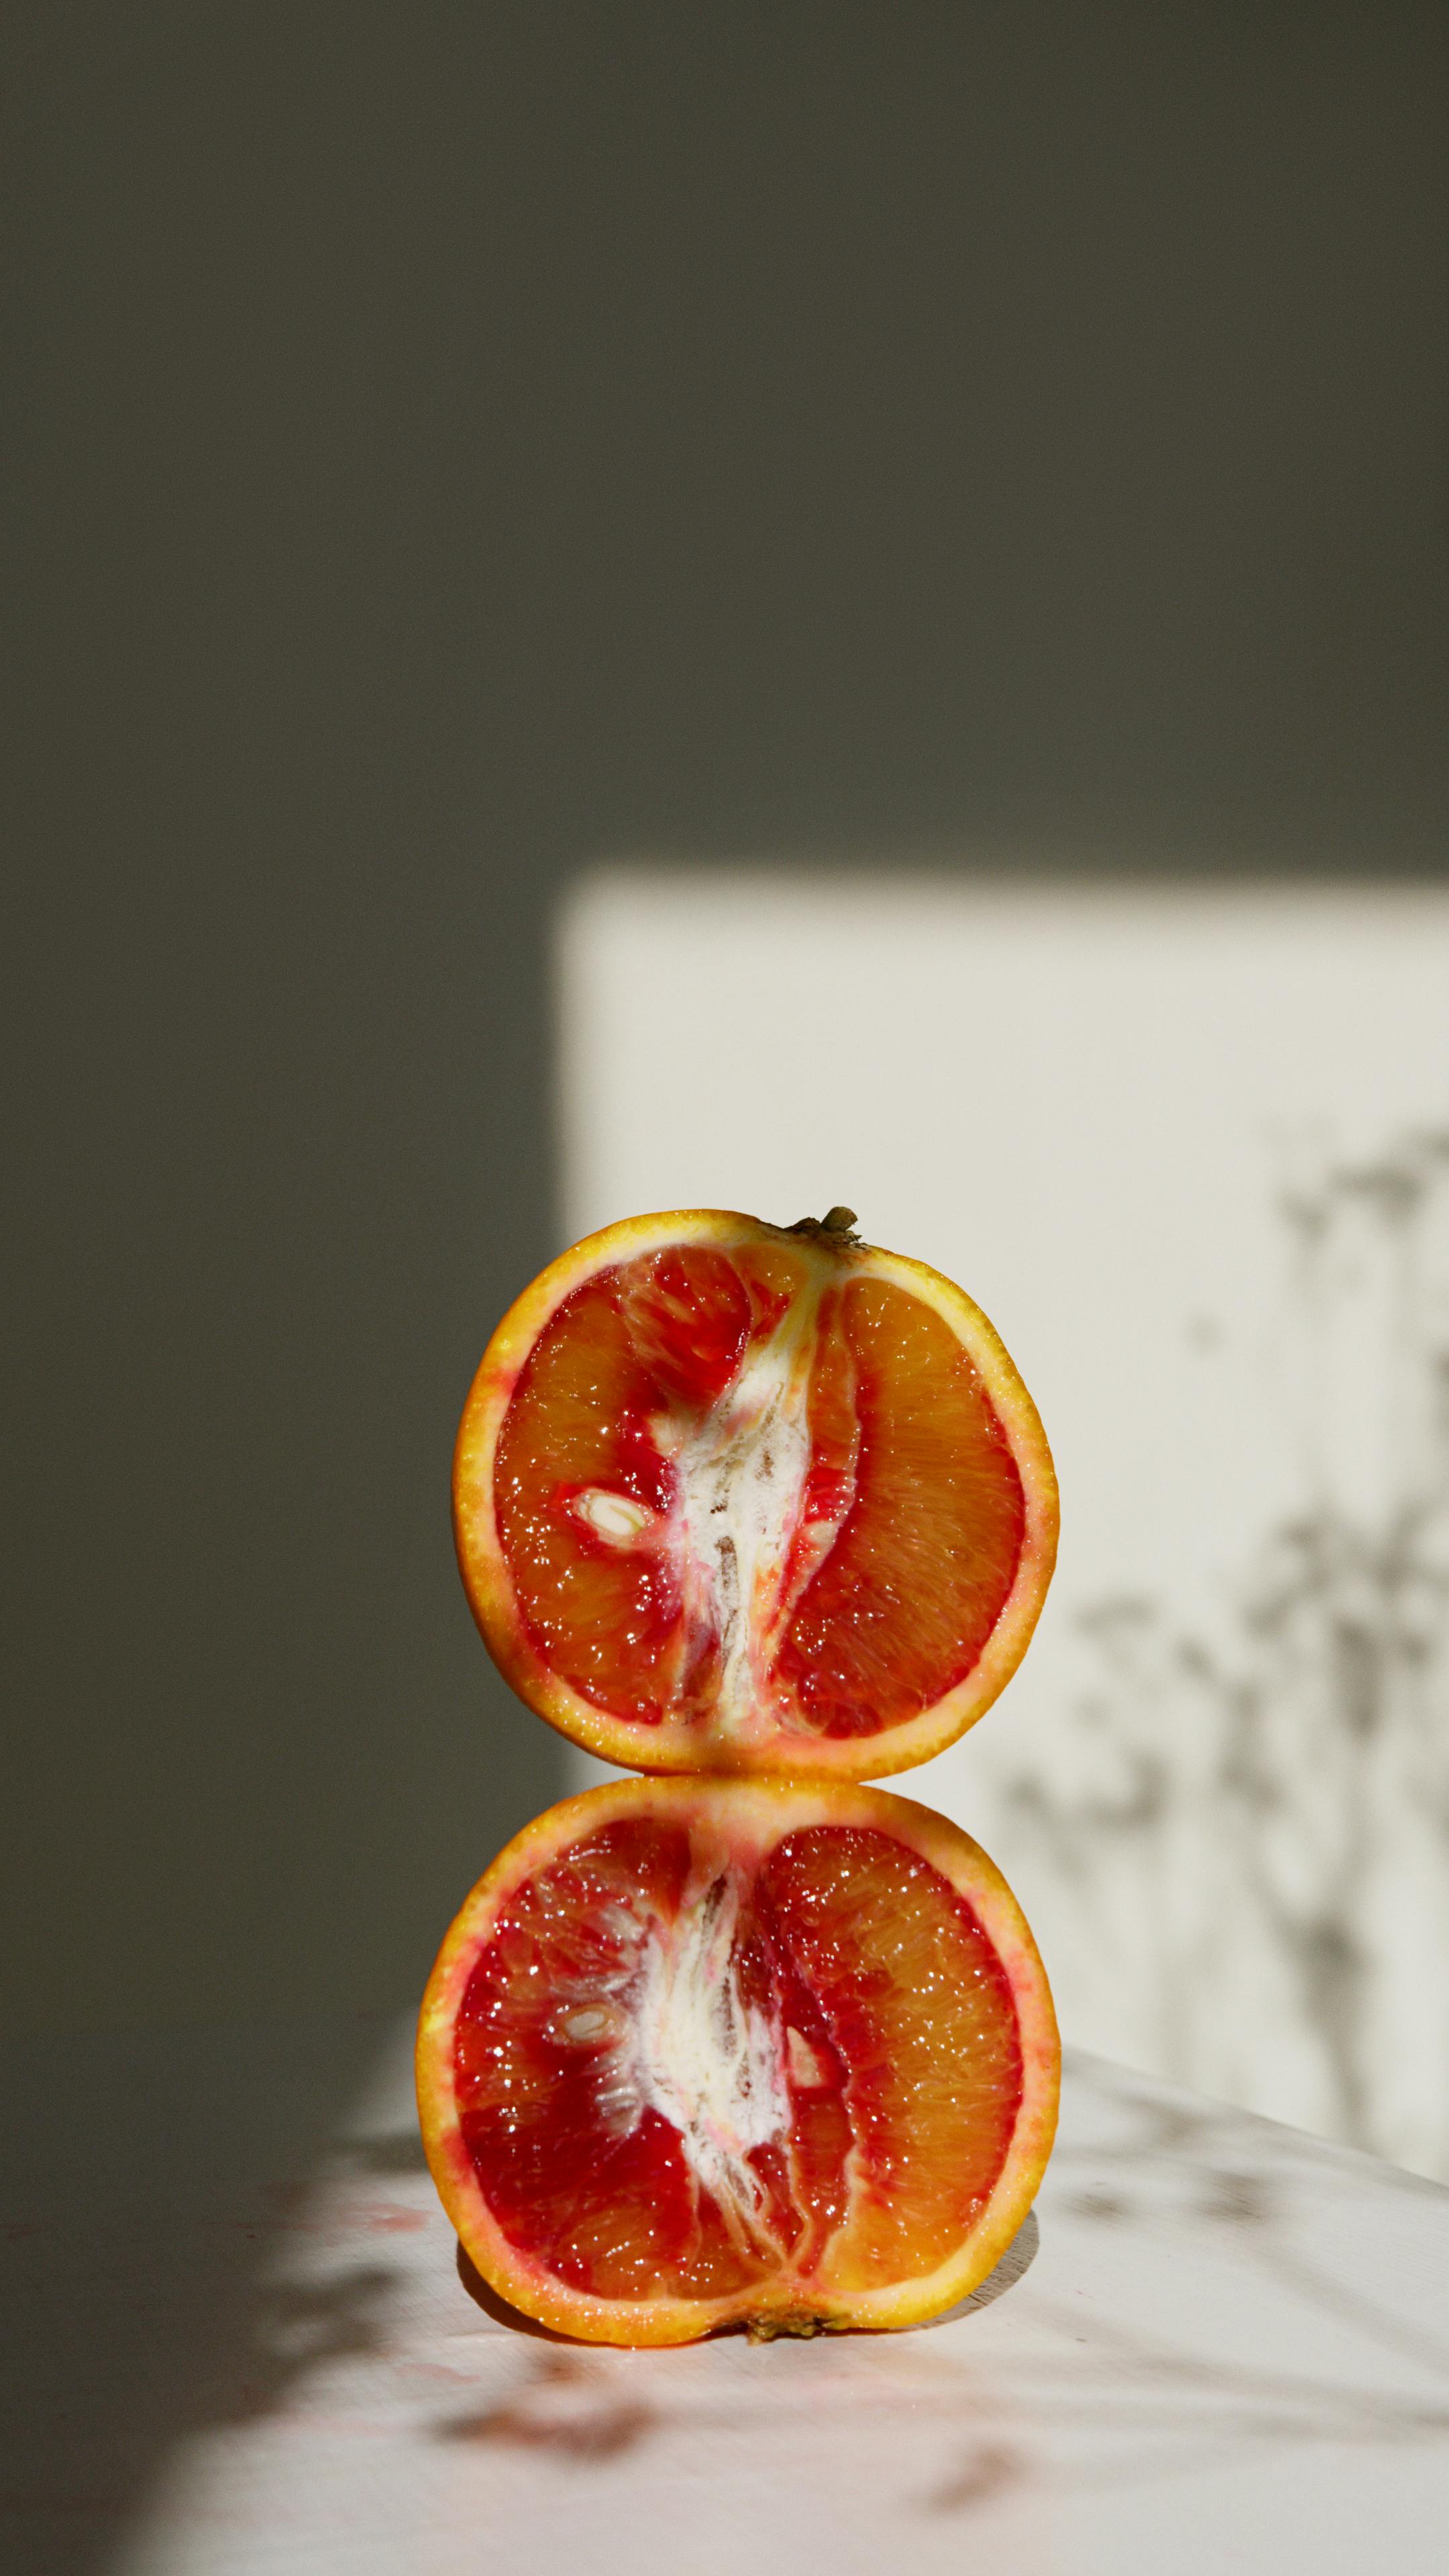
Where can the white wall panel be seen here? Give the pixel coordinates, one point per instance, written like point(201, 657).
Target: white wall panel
point(1190, 1149)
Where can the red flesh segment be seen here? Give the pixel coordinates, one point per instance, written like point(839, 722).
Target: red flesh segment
point(887, 1539)
point(681, 2072)
point(906, 1599)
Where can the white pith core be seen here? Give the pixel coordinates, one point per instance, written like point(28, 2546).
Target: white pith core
point(674, 2034)
point(740, 1484)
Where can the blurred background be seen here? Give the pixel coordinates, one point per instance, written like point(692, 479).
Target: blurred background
point(534, 533)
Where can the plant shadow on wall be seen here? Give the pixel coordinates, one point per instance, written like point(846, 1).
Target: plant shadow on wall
point(1265, 1858)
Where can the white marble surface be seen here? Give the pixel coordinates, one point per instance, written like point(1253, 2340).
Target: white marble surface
point(1217, 2344)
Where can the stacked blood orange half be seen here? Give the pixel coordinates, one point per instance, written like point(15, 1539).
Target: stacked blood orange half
point(770, 1509)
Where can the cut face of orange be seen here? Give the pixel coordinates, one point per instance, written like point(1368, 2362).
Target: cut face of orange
point(704, 2053)
point(735, 1497)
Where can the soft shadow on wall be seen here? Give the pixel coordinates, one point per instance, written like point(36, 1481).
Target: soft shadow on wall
point(1189, 1146)
point(458, 447)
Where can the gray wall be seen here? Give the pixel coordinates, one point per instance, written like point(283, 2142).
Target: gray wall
point(445, 444)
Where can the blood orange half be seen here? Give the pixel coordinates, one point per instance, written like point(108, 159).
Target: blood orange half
point(700, 2053)
point(739, 1497)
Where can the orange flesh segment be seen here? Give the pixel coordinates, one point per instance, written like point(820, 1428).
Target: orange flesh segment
point(684, 2069)
point(747, 1492)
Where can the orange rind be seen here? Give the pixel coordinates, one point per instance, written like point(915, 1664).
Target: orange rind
point(752, 1499)
point(760, 2053)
